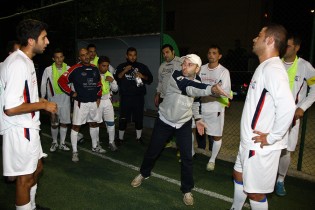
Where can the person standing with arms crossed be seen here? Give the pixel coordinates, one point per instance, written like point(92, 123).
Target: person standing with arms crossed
point(50, 87)
point(20, 125)
point(106, 107)
point(301, 76)
point(175, 118)
point(213, 107)
point(132, 78)
point(86, 81)
point(267, 114)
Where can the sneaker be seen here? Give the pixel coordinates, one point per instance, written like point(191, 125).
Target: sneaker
point(98, 149)
point(136, 182)
point(75, 157)
point(168, 145)
point(188, 199)
point(210, 166)
point(53, 147)
point(280, 190)
point(38, 207)
point(64, 147)
point(112, 147)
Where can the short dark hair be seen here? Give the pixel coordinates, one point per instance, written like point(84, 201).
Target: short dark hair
point(296, 39)
point(29, 28)
point(279, 33)
point(10, 46)
point(131, 49)
point(215, 46)
point(103, 59)
point(91, 45)
point(167, 46)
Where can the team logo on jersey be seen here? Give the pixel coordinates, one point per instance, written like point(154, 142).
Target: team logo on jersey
point(180, 78)
point(83, 74)
point(252, 84)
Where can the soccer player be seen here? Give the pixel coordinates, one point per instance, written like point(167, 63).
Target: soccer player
point(106, 107)
point(266, 117)
point(86, 81)
point(213, 107)
point(20, 105)
point(301, 76)
point(50, 87)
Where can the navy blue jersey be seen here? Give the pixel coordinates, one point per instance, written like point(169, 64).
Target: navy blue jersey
point(86, 81)
point(127, 84)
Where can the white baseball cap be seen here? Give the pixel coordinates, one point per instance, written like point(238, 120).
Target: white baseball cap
point(193, 58)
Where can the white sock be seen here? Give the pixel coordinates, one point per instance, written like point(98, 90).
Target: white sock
point(94, 136)
point(259, 205)
point(215, 150)
point(54, 134)
point(32, 195)
point(74, 140)
point(138, 133)
point(27, 206)
point(239, 196)
point(121, 134)
point(80, 136)
point(284, 164)
point(111, 133)
point(63, 133)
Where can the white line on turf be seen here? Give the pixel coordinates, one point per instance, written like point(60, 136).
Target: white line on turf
point(165, 178)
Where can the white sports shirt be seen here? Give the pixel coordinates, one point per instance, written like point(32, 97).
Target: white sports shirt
point(211, 77)
point(18, 76)
point(269, 106)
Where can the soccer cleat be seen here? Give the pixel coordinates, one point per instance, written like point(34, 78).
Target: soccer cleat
point(53, 147)
point(64, 147)
point(188, 199)
point(75, 157)
point(280, 190)
point(38, 207)
point(210, 166)
point(136, 182)
point(98, 149)
point(112, 147)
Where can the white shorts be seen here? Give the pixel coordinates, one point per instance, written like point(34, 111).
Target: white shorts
point(107, 110)
point(64, 114)
point(293, 136)
point(214, 122)
point(21, 153)
point(259, 168)
point(85, 112)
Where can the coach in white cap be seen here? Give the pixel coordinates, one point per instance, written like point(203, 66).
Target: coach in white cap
point(175, 118)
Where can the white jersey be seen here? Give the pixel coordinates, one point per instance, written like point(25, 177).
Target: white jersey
point(211, 77)
point(305, 76)
point(20, 86)
point(165, 71)
point(269, 106)
point(47, 88)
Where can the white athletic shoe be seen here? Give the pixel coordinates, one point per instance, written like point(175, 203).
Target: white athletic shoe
point(53, 147)
point(75, 157)
point(188, 199)
point(64, 147)
point(210, 166)
point(98, 149)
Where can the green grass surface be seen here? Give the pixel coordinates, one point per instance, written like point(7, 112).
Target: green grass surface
point(103, 181)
